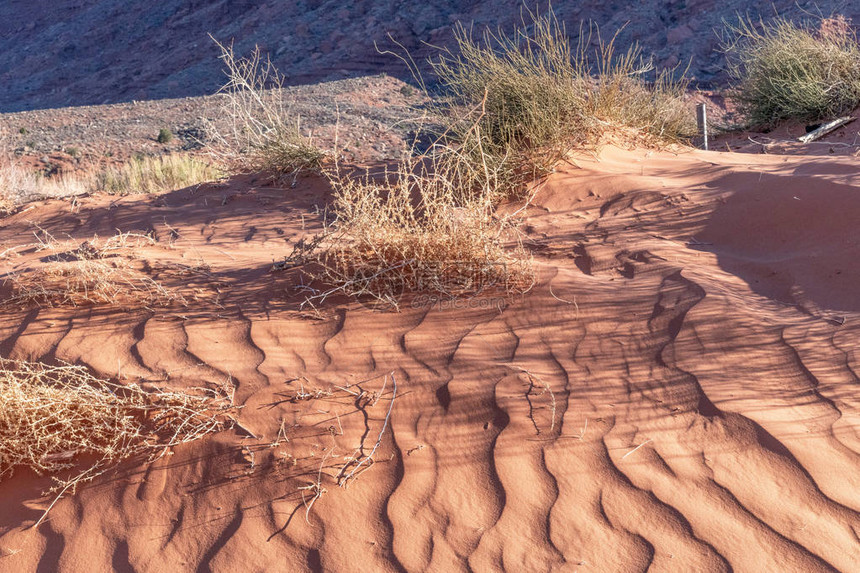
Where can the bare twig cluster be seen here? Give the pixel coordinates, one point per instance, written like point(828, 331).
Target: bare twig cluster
point(359, 462)
point(50, 415)
point(263, 134)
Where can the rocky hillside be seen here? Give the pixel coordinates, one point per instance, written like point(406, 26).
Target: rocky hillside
point(77, 52)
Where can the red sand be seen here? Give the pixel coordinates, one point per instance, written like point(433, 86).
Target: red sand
point(693, 349)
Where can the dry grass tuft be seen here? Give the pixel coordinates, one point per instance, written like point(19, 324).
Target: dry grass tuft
point(263, 134)
point(539, 96)
point(89, 281)
point(155, 175)
point(430, 227)
point(784, 70)
point(97, 271)
point(50, 415)
point(19, 185)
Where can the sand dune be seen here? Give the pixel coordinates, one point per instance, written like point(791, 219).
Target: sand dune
point(678, 392)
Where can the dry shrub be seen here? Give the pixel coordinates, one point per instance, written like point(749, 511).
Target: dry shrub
point(50, 415)
point(263, 135)
point(539, 96)
point(19, 185)
point(86, 282)
point(94, 272)
point(783, 70)
point(148, 174)
point(427, 227)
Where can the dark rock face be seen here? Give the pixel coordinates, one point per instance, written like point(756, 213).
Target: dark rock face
point(76, 52)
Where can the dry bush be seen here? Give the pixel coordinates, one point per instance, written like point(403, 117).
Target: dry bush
point(427, 227)
point(86, 282)
point(155, 175)
point(97, 271)
point(91, 273)
point(19, 185)
point(540, 96)
point(50, 415)
point(784, 70)
point(263, 135)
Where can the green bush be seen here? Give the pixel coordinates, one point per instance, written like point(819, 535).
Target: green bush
point(534, 96)
point(783, 70)
point(164, 135)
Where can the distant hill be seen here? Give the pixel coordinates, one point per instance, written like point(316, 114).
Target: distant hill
point(75, 52)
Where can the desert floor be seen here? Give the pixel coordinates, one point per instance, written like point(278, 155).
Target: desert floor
point(677, 392)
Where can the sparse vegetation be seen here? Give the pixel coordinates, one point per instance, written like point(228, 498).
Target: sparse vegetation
point(425, 228)
point(784, 70)
point(146, 174)
point(89, 281)
point(537, 96)
point(91, 272)
point(516, 104)
point(51, 415)
point(19, 185)
point(263, 134)
point(142, 174)
point(164, 136)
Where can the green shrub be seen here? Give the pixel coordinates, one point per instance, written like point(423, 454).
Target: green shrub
point(534, 96)
point(164, 135)
point(783, 70)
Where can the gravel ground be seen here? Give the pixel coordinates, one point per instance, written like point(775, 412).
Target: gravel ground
point(368, 117)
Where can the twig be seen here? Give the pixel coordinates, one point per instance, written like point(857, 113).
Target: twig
point(825, 129)
point(317, 488)
point(345, 480)
point(636, 448)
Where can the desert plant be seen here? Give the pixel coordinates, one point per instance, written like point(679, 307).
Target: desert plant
point(539, 96)
point(263, 134)
point(19, 185)
point(147, 174)
point(88, 281)
point(52, 414)
point(164, 135)
point(784, 70)
point(429, 226)
point(96, 271)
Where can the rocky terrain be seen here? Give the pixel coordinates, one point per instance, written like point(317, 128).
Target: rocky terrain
point(84, 52)
point(361, 119)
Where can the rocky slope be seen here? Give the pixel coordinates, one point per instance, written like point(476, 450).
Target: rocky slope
point(79, 52)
